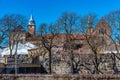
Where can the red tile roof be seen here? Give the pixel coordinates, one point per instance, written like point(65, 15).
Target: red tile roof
point(75, 36)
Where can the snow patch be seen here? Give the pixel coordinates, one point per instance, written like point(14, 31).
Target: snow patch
point(22, 49)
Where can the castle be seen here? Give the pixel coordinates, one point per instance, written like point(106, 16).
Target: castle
point(102, 30)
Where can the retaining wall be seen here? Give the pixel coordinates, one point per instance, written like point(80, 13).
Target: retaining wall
point(59, 77)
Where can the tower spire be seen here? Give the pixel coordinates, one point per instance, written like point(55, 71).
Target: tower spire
point(31, 26)
point(31, 17)
point(89, 24)
point(31, 21)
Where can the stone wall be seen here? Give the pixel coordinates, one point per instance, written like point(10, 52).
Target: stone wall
point(58, 77)
point(84, 64)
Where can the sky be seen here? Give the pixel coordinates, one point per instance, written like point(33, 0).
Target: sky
point(50, 10)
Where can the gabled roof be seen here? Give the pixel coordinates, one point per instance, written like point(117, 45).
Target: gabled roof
point(102, 23)
point(19, 29)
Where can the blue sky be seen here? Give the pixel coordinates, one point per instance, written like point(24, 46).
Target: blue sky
point(49, 10)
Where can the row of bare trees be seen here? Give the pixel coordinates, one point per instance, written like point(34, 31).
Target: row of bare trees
point(69, 24)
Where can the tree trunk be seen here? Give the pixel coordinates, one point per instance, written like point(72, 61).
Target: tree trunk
point(10, 52)
point(71, 53)
point(50, 61)
point(96, 64)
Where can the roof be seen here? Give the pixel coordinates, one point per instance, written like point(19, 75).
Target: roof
point(74, 36)
point(36, 38)
point(19, 29)
point(102, 23)
point(31, 21)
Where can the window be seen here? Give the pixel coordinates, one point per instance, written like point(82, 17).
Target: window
point(77, 46)
point(102, 31)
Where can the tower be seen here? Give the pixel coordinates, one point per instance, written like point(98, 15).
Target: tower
point(31, 26)
point(89, 26)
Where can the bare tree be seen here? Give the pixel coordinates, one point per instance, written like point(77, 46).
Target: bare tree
point(86, 21)
point(10, 22)
point(93, 43)
point(48, 34)
point(113, 19)
point(2, 33)
point(69, 25)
